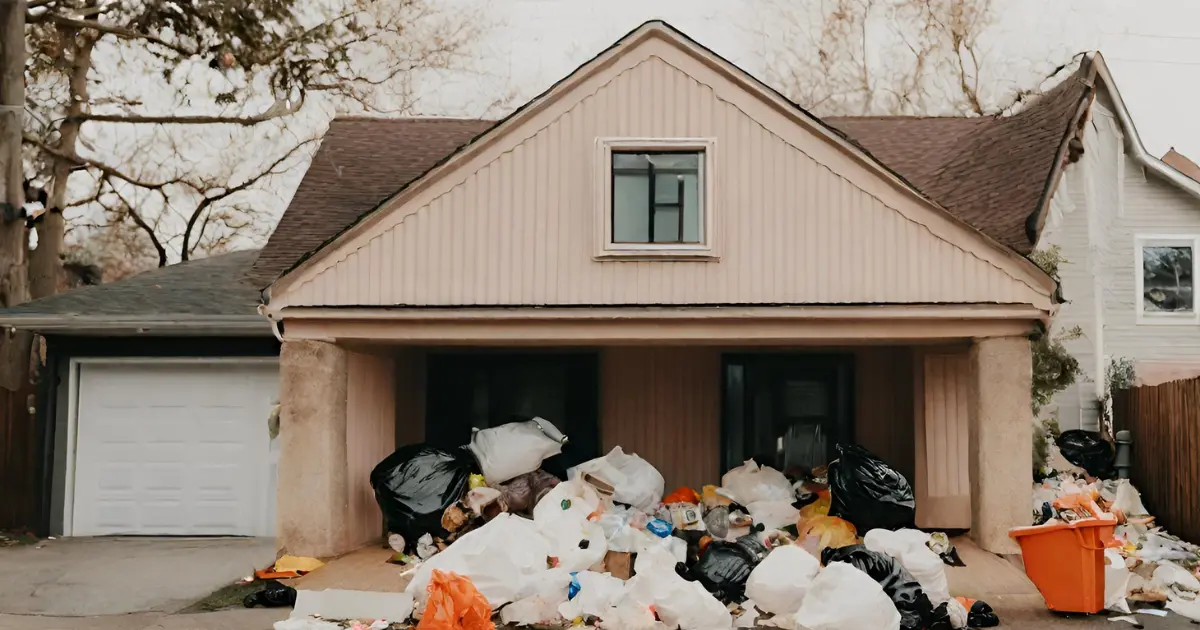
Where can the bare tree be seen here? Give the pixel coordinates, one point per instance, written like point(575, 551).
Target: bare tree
point(185, 120)
point(885, 57)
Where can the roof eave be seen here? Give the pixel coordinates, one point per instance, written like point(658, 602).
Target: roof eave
point(152, 326)
point(1134, 140)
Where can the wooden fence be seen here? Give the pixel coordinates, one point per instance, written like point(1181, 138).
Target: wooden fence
point(1164, 421)
point(20, 496)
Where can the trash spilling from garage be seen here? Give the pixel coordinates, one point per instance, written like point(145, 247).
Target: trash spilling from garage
point(1094, 546)
point(489, 537)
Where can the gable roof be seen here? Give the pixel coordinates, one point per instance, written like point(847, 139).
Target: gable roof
point(846, 143)
point(206, 296)
point(1181, 163)
point(361, 163)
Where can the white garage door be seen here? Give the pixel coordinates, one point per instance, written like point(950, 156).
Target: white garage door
point(174, 448)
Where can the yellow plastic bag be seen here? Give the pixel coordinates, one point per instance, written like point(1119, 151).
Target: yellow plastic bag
point(829, 532)
point(455, 604)
point(710, 498)
point(476, 481)
point(820, 507)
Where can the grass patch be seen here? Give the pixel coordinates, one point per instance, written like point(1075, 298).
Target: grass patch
point(224, 598)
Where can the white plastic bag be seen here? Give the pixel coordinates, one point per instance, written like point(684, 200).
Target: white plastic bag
point(1156, 548)
point(500, 558)
point(1128, 499)
point(1116, 582)
point(773, 514)
point(597, 593)
point(688, 606)
point(566, 529)
point(844, 598)
point(778, 584)
point(1172, 575)
point(750, 483)
point(513, 449)
point(910, 548)
point(635, 481)
point(539, 601)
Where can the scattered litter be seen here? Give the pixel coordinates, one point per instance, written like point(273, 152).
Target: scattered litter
point(1154, 612)
point(980, 614)
point(272, 595)
point(306, 623)
point(455, 604)
point(344, 604)
point(1130, 620)
point(297, 564)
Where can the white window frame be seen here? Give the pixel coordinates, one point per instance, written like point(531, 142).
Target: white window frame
point(606, 249)
point(1142, 241)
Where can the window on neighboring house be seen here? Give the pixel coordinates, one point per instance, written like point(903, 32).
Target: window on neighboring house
point(656, 197)
point(1166, 284)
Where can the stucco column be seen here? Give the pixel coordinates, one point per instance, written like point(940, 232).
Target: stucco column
point(1001, 440)
point(313, 499)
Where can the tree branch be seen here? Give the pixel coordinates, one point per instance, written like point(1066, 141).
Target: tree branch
point(245, 121)
point(108, 29)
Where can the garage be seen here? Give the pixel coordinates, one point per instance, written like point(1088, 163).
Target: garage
point(173, 447)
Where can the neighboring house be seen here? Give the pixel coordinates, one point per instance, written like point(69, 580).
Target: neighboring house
point(154, 418)
point(659, 253)
point(1127, 225)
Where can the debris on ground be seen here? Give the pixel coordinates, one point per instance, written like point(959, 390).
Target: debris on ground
point(271, 595)
point(490, 536)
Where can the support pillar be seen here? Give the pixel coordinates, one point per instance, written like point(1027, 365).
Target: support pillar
point(312, 493)
point(1001, 440)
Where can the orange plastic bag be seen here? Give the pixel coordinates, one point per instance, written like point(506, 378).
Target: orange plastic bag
point(820, 507)
point(455, 604)
point(683, 495)
point(829, 531)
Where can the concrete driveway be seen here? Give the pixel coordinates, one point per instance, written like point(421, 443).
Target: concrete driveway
point(77, 577)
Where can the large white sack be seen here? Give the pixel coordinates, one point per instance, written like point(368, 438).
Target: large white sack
point(513, 449)
point(565, 529)
point(778, 584)
point(844, 598)
point(910, 548)
point(636, 482)
point(750, 483)
point(500, 558)
point(690, 607)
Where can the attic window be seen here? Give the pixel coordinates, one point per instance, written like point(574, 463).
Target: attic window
point(1166, 280)
point(656, 198)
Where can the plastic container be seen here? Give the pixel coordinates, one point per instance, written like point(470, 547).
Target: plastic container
point(1066, 561)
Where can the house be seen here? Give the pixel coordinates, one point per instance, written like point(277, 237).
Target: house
point(660, 253)
point(154, 405)
point(1126, 225)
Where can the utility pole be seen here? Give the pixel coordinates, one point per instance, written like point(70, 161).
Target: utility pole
point(14, 273)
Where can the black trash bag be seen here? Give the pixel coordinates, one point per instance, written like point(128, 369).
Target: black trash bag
point(982, 616)
point(272, 595)
point(725, 566)
point(416, 484)
point(869, 493)
point(916, 611)
point(1043, 516)
point(940, 620)
point(951, 558)
point(1087, 450)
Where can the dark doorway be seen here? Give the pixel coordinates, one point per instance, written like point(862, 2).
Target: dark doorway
point(477, 390)
point(788, 411)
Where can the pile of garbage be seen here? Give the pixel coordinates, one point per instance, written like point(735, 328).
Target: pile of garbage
point(490, 536)
point(1146, 565)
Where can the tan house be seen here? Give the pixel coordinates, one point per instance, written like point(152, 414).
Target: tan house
point(662, 253)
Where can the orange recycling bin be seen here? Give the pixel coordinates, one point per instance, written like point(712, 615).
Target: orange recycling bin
point(1066, 561)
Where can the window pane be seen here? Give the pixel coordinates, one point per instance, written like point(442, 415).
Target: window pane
point(675, 161)
point(692, 232)
point(666, 225)
point(631, 160)
point(1167, 279)
point(631, 209)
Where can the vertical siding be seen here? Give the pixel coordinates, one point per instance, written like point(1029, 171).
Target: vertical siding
point(370, 436)
point(521, 229)
point(665, 405)
point(410, 396)
point(884, 417)
point(943, 483)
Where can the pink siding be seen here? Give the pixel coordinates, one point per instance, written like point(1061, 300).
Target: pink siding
point(884, 416)
point(665, 405)
point(943, 483)
point(370, 436)
point(796, 220)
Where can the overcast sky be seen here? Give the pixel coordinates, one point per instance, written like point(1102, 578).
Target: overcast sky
point(1152, 46)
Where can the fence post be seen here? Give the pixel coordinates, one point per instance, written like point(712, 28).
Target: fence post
point(1124, 459)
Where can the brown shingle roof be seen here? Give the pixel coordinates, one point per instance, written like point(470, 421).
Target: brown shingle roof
point(1181, 163)
point(361, 163)
point(990, 172)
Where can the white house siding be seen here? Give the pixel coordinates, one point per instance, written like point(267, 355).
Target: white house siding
point(1100, 247)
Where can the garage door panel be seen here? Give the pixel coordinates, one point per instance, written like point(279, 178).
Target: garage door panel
point(174, 449)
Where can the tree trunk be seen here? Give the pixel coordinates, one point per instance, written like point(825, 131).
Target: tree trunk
point(14, 279)
point(46, 263)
